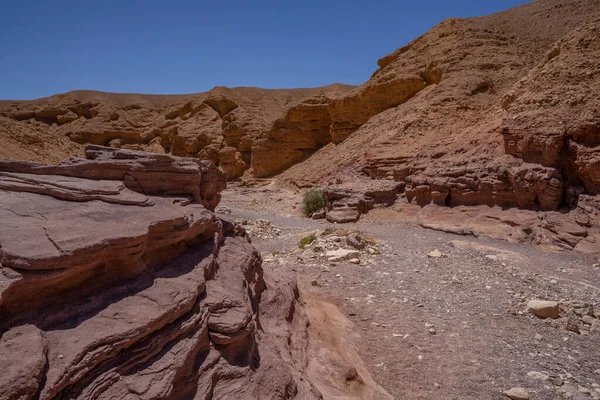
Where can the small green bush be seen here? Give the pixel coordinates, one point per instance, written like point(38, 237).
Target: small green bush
point(313, 201)
point(306, 240)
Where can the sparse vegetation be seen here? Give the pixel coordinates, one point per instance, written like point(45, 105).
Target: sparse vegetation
point(306, 241)
point(313, 201)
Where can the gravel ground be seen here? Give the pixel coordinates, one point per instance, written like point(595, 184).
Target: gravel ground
point(449, 327)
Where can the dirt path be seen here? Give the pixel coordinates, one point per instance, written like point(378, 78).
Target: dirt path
point(452, 327)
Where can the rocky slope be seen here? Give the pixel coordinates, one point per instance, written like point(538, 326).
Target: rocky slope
point(506, 117)
point(449, 136)
point(118, 281)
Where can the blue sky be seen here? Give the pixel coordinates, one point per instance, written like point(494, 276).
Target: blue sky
point(148, 46)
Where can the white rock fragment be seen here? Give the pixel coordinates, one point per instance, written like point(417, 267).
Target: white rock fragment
point(435, 254)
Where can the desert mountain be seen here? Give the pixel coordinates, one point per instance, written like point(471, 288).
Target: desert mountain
point(498, 110)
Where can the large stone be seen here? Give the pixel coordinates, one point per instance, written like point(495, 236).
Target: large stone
point(543, 308)
point(343, 215)
point(355, 240)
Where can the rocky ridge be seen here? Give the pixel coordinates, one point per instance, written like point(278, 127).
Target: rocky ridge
point(222, 125)
point(118, 281)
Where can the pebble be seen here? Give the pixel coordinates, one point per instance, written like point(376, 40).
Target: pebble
point(354, 261)
point(556, 380)
point(435, 254)
point(538, 336)
point(432, 331)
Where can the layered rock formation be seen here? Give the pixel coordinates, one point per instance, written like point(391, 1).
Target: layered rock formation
point(221, 125)
point(117, 281)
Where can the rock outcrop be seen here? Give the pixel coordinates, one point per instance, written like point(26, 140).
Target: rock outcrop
point(347, 205)
point(117, 281)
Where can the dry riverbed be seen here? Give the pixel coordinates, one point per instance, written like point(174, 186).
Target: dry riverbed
point(440, 316)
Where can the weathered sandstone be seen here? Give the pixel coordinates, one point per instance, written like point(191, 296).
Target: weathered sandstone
point(117, 281)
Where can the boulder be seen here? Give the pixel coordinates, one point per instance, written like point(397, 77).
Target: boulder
point(355, 240)
point(345, 205)
point(543, 309)
point(23, 362)
point(343, 215)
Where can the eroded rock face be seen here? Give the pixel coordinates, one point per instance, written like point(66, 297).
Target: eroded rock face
point(303, 130)
point(113, 287)
point(347, 205)
point(141, 172)
point(220, 126)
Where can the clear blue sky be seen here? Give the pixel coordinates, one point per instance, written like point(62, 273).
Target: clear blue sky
point(150, 46)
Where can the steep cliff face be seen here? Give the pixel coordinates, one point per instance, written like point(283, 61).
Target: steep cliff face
point(304, 129)
point(554, 112)
point(117, 281)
